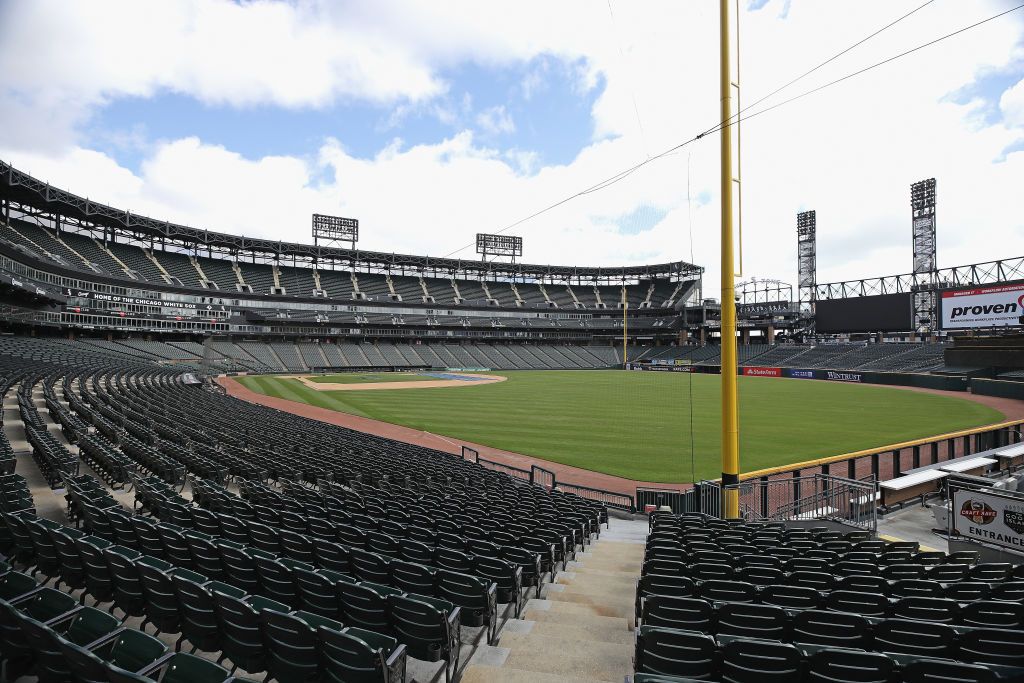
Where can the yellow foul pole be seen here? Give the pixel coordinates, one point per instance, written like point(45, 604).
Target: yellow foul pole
point(730, 420)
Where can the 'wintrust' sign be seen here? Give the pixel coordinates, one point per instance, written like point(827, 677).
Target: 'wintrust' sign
point(842, 376)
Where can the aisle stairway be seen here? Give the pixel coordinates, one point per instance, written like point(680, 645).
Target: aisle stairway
point(581, 631)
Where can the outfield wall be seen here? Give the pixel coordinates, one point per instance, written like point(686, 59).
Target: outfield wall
point(899, 379)
point(998, 387)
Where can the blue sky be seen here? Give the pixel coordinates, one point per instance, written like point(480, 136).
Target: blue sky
point(433, 121)
point(538, 107)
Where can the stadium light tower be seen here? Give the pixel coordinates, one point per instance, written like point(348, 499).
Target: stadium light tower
point(807, 260)
point(730, 418)
point(922, 215)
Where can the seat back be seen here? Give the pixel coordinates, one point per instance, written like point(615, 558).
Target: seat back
point(849, 666)
point(753, 621)
point(944, 671)
point(675, 652)
point(422, 628)
point(349, 659)
point(412, 577)
point(363, 607)
point(692, 614)
point(868, 604)
point(790, 597)
point(993, 614)
point(317, 593)
point(198, 611)
point(992, 646)
point(833, 629)
point(914, 638)
point(756, 661)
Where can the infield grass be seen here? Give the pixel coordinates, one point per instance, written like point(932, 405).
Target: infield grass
point(369, 378)
point(637, 424)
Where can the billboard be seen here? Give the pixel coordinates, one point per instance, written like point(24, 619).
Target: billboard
point(751, 371)
point(882, 313)
point(995, 306)
point(989, 518)
point(763, 309)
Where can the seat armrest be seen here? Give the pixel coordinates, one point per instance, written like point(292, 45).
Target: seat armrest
point(60, 618)
point(157, 664)
point(395, 656)
point(105, 640)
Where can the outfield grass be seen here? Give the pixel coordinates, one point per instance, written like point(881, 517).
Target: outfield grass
point(369, 378)
point(637, 424)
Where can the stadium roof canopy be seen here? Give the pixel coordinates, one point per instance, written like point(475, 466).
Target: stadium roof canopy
point(20, 187)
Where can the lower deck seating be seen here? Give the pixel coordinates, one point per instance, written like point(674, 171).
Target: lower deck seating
point(342, 557)
point(753, 602)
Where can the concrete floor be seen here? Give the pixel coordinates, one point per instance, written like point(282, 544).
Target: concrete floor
point(912, 524)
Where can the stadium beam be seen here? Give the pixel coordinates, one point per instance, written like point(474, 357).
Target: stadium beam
point(922, 216)
point(730, 418)
point(807, 260)
point(988, 273)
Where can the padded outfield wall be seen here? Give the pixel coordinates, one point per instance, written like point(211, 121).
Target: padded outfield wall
point(899, 379)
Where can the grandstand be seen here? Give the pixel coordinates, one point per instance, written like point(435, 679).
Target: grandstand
point(273, 545)
point(254, 451)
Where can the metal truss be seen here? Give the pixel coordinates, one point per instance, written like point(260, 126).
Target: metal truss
point(990, 272)
point(756, 291)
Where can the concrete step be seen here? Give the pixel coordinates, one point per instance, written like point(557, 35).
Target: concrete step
point(587, 605)
point(576, 618)
point(586, 659)
point(604, 547)
point(606, 581)
point(579, 569)
point(597, 563)
point(574, 630)
point(597, 592)
point(492, 674)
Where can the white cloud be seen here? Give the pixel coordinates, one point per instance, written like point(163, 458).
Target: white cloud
point(217, 51)
point(1012, 104)
point(849, 152)
point(495, 120)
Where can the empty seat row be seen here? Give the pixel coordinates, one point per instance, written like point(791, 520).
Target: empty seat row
point(1008, 614)
point(993, 645)
point(681, 653)
point(305, 573)
point(815, 573)
point(48, 633)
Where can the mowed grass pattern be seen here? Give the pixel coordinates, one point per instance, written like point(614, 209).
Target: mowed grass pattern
point(370, 378)
point(637, 424)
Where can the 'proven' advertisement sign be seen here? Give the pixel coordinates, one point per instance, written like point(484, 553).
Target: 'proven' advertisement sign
point(996, 306)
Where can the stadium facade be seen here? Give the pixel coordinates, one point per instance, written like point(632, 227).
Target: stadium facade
point(73, 267)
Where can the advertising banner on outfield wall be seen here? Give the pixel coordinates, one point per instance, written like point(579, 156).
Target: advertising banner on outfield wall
point(761, 372)
point(657, 367)
point(996, 306)
point(829, 375)
point(989, 518)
